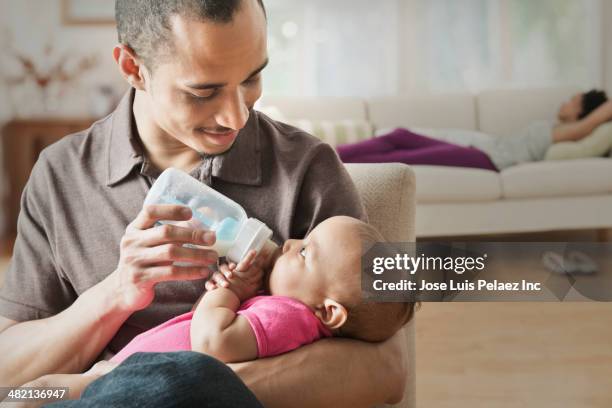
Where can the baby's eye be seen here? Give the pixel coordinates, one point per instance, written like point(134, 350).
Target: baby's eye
point(303, 252)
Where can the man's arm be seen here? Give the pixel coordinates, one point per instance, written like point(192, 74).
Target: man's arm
point(6, 323)
point(218, 331)
point(330, 373)
point(76, 383)
point(69, 341)
point(571, 132)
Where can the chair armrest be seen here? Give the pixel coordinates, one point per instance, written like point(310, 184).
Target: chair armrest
point(388, 193)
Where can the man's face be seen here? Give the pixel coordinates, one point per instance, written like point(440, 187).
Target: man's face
point(571, 109)
point(200, 96)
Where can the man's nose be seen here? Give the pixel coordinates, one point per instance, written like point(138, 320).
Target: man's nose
point(233, 113)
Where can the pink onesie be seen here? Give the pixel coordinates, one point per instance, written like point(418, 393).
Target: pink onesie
point(280, 324)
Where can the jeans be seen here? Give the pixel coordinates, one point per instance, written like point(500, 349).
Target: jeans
point(175, 379)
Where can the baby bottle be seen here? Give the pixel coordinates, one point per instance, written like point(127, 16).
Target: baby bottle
point(236, 233)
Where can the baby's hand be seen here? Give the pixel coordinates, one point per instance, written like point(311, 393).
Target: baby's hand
point(243, 288)
point(244, 279)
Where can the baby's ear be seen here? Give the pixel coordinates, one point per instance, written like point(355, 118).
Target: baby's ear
point(332, 314)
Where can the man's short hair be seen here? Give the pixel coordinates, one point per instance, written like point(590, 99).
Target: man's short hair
point(144, 25)
point(592, 100)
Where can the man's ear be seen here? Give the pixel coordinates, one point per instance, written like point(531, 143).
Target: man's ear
point(130, 66)
point(332, 314)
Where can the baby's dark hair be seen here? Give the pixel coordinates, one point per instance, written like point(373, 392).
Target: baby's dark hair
point(592, 100)
point(373, 321)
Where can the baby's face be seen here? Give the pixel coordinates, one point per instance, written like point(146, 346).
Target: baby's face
point(323, 265)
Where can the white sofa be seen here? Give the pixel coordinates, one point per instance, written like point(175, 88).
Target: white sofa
point(541, 196)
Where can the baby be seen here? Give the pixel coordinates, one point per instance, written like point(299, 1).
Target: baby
point(312, 291)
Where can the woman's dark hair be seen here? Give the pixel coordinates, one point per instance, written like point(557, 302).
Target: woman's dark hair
point(592, 100)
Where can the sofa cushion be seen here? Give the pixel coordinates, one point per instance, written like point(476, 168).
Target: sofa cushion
point(336, 132)
point(460, 137)
point(438, 184)
point(315, 108)
point(506, 112)
point(596, 144)
point(451, 110)
point(558, 178)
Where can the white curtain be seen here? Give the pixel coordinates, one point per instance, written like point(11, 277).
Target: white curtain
point(339, 47)
point(387, 47)
point(479, 44)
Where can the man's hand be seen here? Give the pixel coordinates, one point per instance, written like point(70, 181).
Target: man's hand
point(148, 254)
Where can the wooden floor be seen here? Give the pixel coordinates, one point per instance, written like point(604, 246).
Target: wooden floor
point(472, 355)
point(514, 355)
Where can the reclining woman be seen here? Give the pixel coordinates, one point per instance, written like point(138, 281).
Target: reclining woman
point(577, 118)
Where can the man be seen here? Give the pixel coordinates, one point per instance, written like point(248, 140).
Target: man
point(91, 270)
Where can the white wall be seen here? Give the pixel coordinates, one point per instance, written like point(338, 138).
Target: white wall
point(32, 23)
point(27, 26)
point(607, 44)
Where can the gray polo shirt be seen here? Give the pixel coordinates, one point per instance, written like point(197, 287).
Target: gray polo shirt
point(85, 189)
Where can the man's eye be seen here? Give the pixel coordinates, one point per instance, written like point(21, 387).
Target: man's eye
point(199, 98)
point(303, 252)
point(252, 81)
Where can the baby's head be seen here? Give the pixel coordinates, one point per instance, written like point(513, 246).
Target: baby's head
point(324, 272)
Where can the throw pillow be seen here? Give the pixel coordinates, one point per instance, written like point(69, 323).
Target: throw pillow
point(596, 144)
point(336, 132)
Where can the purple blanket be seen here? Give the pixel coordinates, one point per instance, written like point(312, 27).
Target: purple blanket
point(404, 146)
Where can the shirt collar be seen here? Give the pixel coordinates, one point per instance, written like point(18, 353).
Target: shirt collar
point(241, 164)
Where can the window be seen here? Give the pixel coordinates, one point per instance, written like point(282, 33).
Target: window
point(476, 44)
point(365, 48)
point(340, 47)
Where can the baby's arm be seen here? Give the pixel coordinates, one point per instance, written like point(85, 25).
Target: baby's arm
point(218, 331)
